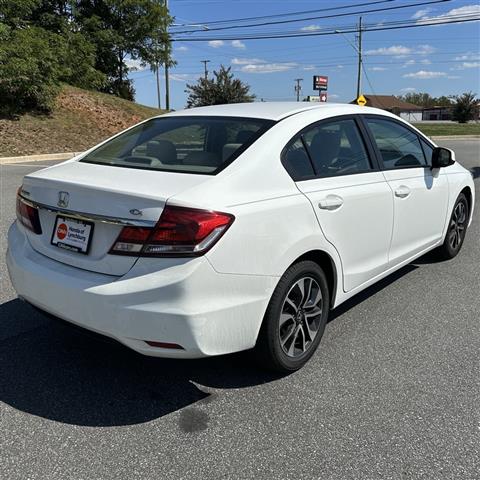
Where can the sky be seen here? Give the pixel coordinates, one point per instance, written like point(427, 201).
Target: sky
point(438, 59)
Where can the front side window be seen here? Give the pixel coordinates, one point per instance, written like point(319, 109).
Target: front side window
point(181, 144)
point(428, 151)
point(336, 148)
point(398, 146)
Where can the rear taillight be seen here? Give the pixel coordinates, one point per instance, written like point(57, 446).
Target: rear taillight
point(28, 215)
point(179, 232)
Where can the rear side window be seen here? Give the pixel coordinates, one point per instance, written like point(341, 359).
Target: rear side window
point(336, 148)
point(181, 144)
point(398, 146)
point(297, 162)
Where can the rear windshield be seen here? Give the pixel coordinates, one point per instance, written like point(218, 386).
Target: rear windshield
point(202, 145)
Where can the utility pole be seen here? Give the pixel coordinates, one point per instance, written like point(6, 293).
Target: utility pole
point(167, 83)
point(205, 65)
point(298, 87)
point(359, 76)
point(158, 85)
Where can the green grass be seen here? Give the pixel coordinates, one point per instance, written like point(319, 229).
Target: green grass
point(447, 129)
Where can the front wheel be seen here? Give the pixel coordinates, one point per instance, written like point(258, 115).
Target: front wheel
point(295, 318)
point(457, 228)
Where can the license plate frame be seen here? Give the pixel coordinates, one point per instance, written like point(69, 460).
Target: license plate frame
point(72, 244)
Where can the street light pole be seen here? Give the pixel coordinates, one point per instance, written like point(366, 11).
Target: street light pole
point(167, 83)
point(205, 65)
point(359, 52)
point(298, 87)
point(359, 75)
point(158, 86)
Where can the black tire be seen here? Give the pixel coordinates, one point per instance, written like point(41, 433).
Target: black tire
point(457, 228)
point(275, 349)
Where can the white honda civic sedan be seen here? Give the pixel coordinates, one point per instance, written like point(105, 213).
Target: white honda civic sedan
point(224, 228)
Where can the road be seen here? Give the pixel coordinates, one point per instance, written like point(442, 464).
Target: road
point(393, 392)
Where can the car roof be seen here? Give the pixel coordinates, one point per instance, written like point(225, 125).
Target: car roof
point(274, 110)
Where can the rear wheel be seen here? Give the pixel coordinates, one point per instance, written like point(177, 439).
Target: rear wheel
point(295, 319)
point(457, 229)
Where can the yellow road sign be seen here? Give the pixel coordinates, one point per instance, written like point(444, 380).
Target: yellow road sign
point(361, 100)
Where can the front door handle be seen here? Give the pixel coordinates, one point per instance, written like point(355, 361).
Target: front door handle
point(402, 191)
point(330, 202)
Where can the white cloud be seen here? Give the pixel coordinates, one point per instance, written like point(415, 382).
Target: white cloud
point(408, 89)
point(421, 13)
point(377, 69)
point(216, 43)
point(182, 77)
point(465, 10)
point(453, 77)
point(401, 51)
point(134, 65)
point(408, 63)
point(393, 50)
point(468, 65)
point(339, 67)
point(246, 61)
point(424, 49)
point(238, 44)
point(468, 56)
point(425, 75)
point(183, 48)
point(309, 67)
point(333, 96)
point(268, 67)
point(311, 28)
point(425, 61)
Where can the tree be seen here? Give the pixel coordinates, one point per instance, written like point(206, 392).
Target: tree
point(420, 99)
point(30, 69)
point(121, 29)
point(219, 90)
point(464, 107)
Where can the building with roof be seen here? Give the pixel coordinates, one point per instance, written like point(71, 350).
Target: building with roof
point(390, 103)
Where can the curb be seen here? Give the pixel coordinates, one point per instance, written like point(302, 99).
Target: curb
point(38, 158)
point(455, 137)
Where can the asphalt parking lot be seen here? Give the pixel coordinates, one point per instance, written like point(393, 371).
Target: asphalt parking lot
point(393, 392)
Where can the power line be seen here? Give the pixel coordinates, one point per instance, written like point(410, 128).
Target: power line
point(304, 12)
point(350, 29)
point(319, 17)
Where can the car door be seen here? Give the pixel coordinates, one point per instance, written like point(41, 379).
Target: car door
point(420, 193)
point(333, 166)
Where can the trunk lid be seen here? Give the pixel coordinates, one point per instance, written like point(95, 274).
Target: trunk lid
point(107, 196)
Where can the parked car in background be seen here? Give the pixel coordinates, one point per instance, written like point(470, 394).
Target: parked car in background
point(225, 228)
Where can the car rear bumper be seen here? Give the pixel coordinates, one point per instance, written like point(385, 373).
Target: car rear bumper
point(178, 301)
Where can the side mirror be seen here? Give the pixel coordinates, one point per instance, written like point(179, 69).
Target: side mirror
point(442, 157)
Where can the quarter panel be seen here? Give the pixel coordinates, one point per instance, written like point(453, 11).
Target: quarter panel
point(268, 236)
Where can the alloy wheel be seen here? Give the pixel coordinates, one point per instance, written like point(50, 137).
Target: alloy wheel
point(457, 225)
point(300, 317)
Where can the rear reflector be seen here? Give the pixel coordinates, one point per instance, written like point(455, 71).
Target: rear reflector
point(180, 231)
point(173, 346)
point(28, 215)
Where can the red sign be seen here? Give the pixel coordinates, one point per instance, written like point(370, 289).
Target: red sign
point(62, 231)
point(320, 82)
point(323, 97)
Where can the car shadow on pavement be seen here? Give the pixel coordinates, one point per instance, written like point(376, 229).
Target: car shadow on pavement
point(67, 375)
point(475, 171)
point(52, 371)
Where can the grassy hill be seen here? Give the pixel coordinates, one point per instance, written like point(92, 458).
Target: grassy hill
point(80, 120)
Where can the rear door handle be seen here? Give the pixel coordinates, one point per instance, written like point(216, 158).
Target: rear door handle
point(330, 202)
point(402, 191)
